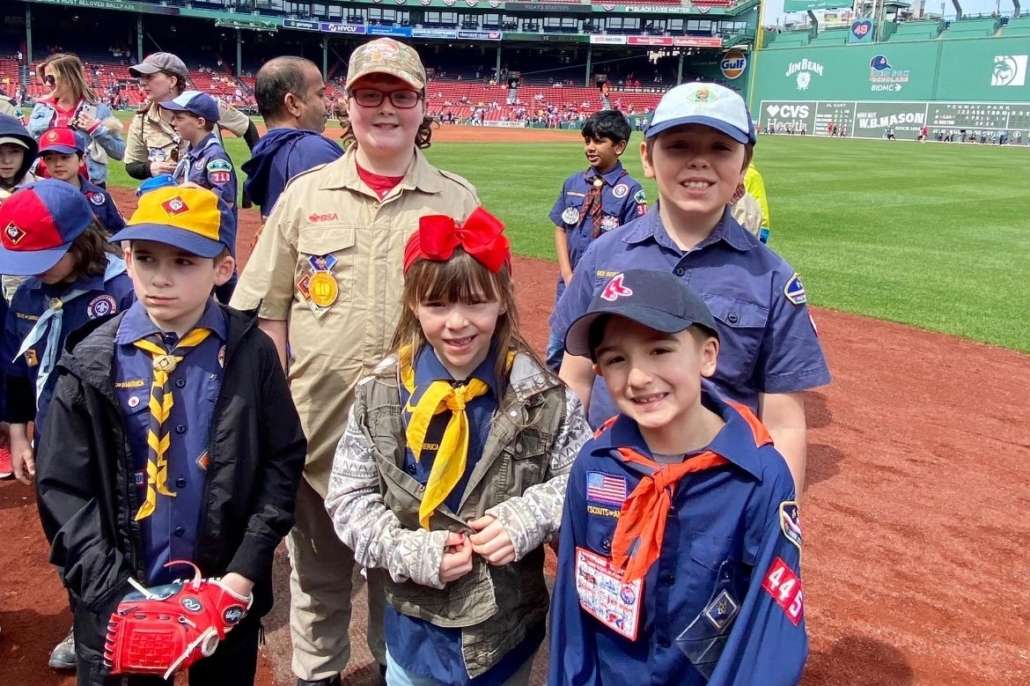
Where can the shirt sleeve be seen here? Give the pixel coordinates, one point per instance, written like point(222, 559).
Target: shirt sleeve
point(768, 635)
point(135, 146)
point(635, 204)
point(114, 222)
point(572, 645)
point(221, 177)
point(576, 298)
point(232, 119)
point(791, 358)
point(267, 283)
point(559, 207)
point(312, 151)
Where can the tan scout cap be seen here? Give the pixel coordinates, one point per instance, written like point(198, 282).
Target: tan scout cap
point(387, 56)
point(160, 61)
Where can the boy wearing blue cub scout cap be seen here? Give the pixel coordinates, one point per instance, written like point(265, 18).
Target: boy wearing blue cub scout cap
point(680, 546)
point(207, 164)
point(173, 423)
point(697, 148)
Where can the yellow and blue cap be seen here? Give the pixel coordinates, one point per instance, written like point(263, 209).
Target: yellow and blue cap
point(191, 218)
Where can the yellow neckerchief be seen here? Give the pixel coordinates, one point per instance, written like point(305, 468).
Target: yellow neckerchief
point(161, 401)
point(452, 456)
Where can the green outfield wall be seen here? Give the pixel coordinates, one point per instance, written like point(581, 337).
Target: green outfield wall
point(975, 84)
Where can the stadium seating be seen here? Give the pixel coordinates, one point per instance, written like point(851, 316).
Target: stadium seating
point(787, 39)
point(976, 27)
point(915, 30)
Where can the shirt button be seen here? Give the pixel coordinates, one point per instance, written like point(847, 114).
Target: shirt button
point(732, 318)
point(180, 531)
point(180, 428)
point(606, 544)
point(679, 271)
point(180, 482)
point(180, 383)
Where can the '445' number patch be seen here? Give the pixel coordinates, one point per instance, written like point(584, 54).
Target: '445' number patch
point(785, 588)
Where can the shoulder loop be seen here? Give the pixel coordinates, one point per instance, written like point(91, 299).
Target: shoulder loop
point(460, 180)
point(607, 424)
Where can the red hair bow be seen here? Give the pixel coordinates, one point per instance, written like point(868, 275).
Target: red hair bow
point(481, 236)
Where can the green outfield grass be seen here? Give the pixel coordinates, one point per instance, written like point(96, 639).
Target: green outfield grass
point(936, 236)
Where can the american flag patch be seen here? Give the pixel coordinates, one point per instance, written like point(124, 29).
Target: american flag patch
point(604, 488)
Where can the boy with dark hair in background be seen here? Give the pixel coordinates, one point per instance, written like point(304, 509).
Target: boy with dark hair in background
point(593, 201)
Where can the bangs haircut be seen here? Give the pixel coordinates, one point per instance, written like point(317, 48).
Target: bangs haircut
point(610, 124)
point(463, 279)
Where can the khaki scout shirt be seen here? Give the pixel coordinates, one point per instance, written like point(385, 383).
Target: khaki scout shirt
point(152, 139)
point(327, 219)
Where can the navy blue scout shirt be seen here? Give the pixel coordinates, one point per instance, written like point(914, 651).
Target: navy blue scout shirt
point(418, 646)
point(209, 166)
point(33, 298)
point(622, 201)
point(724, 599)
point(102, 204)
point(170, 533)
point(281, 154)
point(767, 341)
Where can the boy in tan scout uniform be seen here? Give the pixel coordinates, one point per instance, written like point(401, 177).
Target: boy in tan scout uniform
point(326, 277)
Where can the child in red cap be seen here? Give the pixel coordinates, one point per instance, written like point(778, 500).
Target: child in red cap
point(62, 152)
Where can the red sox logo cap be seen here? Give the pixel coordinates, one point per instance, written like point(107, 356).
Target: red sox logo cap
point(615, 289)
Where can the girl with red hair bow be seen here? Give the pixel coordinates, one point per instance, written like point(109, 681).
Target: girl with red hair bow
point(451, 471)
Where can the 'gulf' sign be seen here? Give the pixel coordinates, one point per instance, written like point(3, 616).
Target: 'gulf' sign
point(733, 64)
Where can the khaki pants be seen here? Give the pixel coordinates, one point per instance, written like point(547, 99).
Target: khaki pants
point(320, 593)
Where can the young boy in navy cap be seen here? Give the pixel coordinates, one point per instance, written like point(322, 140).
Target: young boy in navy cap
point(62, 152)
point(207, 164)
point(680, 543)
point(593, 202)
point(697, 148)
point(174, 438)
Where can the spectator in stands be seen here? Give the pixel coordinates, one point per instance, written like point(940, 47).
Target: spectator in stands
point(152, 146)
point(290, 95)
point(73, 104)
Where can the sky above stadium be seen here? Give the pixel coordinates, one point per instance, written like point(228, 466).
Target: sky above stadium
point(774, 8)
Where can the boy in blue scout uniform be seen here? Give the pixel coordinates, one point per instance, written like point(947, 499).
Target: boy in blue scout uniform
point(182, 405)
point(680, 543)
point(697, 148)
point(62, 151)
point(593, 202)
point(207, 164)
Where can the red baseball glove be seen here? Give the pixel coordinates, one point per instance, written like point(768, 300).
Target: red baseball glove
point(164, 629)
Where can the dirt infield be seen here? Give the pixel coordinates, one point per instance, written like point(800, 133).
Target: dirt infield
point(915, 517)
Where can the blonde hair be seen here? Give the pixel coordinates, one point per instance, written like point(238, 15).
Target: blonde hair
point(69, 66)
point(462, 279)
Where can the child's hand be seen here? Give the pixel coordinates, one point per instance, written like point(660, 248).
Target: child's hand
point(457, 558)
point(491, 541)
point(238, 584)
point(22, 459)
point(159, 168)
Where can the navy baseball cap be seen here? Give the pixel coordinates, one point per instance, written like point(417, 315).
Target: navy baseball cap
point(194, 102)
point(708, 104)
point(657, 300)
point(38, 224)
point(191, 218)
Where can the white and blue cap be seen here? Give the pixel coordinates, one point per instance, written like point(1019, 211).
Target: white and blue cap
point(703, 103)
point(196, 103)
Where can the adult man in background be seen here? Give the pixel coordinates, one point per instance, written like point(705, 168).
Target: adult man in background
point(290, 95)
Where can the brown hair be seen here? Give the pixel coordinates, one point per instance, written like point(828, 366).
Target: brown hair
point(423, 137)
point(69, 66)
point(90, 251)
point(462, 279)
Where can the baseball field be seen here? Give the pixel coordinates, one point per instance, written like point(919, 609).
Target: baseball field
point(917, 262)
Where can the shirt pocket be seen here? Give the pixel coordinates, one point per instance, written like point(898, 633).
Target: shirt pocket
point(601, 522)
point(525, 462)
point(742, 325)
point(326, 264)
point(570, 214)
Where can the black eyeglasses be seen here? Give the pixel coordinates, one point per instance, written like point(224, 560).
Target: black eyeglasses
point(370, 97)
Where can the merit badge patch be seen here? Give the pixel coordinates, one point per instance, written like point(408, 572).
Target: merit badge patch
point(101, 306)
point(784, 586)
point(608, 222)
point(620, 191)
point(605, 488)
point(175, 205)
point(323, 289)
point(604, 596)
point(721, 611)
point(790, 522)
point(96, 197)
point(795, 290)
point(570, 215)
point(640, 197)
point(14, 233)
point(615, 289)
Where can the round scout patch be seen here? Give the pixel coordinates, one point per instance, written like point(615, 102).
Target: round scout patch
point(609, 222)
point(96, 198)
point(101, 306)
point(323, 289)
point(620, 191)
point(570, 215)
point(133, 401)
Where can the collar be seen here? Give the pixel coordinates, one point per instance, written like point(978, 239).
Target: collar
point(738, 441)
point(87, 186)
point(343, 173)
point(611, 177)
point(136, 324)
point(88, 283)
point(197, 150)
point(428, 369)
point(651, 228)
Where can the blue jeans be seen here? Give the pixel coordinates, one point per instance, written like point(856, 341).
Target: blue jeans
point(556, 340)
point(398, 676)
